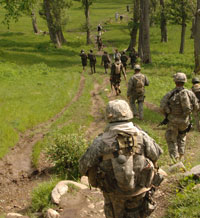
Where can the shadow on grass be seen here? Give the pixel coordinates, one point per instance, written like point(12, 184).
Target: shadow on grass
point(29, 53)
point(7, 34)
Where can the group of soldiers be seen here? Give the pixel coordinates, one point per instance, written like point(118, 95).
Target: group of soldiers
point(122, 161)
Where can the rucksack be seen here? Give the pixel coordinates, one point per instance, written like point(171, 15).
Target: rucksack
point(117, 68)
point(130, 167)
point(92, 57)
point(123, 164)
point(139, 85)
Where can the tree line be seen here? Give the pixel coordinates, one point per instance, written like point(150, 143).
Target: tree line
point(146, 13)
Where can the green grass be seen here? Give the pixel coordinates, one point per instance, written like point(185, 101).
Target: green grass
point(41, 196)
point(38, 80)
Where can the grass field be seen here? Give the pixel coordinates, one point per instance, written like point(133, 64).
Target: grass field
point(38, 80)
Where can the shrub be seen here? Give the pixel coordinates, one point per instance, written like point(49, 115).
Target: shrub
point(186, 202)
point(64, 151)
point(41, 196)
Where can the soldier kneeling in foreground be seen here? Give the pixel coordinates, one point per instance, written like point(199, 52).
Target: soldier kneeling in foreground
point(122, 163)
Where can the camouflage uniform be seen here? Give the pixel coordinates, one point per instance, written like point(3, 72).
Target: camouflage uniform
point(133, 58)
point(92, 59)
point(177, 105)
point(122, 201)
point(83, 59)
point(196, 90)
point(124, 59)
point(105, 61)
point(115, 78)
point(99, 43)
point(132, 93)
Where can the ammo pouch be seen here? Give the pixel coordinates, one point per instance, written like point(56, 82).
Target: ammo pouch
point(147, 174)
point(157, 179)
point(92, 176)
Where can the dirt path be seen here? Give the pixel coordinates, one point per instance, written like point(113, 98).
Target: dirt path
point(16, 170)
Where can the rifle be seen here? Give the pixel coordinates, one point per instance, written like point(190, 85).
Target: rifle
point(164, 122)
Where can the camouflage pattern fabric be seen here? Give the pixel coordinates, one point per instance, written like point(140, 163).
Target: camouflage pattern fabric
point(178, 107)
point(124, 59)
point(105, 60)
point(120, 203)
point(196, 90)
point(134, 96)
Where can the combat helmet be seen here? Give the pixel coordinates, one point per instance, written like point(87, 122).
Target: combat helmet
point(180, 77)
point(118, 110)
point(137, 67)
point(195, 80)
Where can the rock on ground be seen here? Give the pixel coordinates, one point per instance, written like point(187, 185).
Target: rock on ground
point(61, 189)
point(52, 213)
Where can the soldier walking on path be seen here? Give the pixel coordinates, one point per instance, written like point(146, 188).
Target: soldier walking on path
point(136, 91)
point(93, 60)
point(117, 55)
point(124, 59)
point(133, 58)
point(122, 163)
point(99, 43)
point(115, 76)
point(196, 90)
point(83, 59)
point(99, 29)
point(177, 106)
point(105, 61)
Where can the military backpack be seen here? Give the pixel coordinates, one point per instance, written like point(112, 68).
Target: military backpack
point(139, 84)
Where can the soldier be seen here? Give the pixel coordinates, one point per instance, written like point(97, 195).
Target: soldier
point(99, 43)
point(93, 60)
point(196, 90)
point(115, 76)
point(105, 61)
point(99, 29)
point(133, 58)
point(177, 106)
point(136, 91)
point(83, 59)
point(124, 59)
point(122, 163)
point(117, 54)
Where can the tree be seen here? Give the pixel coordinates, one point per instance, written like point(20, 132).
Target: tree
point(134, 24)
point(163, 22)
point(55, 12)
point(144, 37)
point(86, 5)
point(179, 12)
point(197, 39)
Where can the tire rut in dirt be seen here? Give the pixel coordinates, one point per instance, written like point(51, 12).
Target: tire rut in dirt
point(16, 167)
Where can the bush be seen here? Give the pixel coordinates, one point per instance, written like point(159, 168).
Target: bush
point(41, 196)
point(186, 202)
point(64, 151)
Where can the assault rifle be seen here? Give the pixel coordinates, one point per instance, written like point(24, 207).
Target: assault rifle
point(164, 122)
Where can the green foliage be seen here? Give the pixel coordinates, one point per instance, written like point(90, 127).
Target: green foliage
point(186, 202)
point(178, 10)
point(41, 196)
point(64, 151)
point(16, 8)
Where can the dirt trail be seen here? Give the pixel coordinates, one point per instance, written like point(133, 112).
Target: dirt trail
point(16, 170)
point(97, 111)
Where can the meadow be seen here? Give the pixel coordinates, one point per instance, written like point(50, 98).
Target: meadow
point(37, 80)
